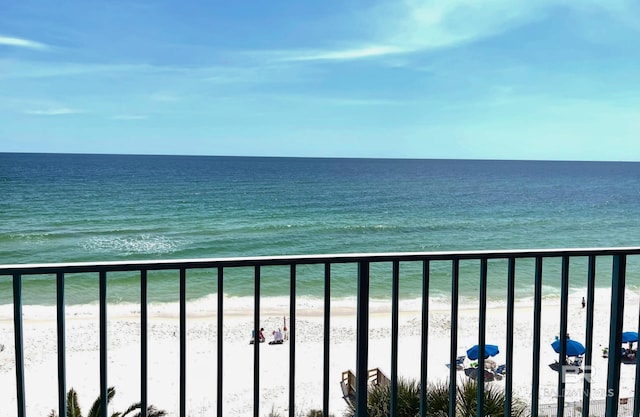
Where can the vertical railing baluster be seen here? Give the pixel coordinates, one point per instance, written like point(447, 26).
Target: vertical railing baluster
point(19, 344)
point(292, 344)
point(537, 319)
point(103, 343)
point(482, 327)
point(564, 304)
point(144, 344)
point(453, 352)
point(62, 369)
point(327, 336)
point(615, 335)
point(636, 391)
point(183, 342)
point(511, 295)
point(424, 339)
point(395, 289)
point(362, 330)
point(591, 284)
point(256, 342)
point(220, 344)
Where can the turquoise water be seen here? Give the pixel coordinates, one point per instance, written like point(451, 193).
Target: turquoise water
point(64, 208)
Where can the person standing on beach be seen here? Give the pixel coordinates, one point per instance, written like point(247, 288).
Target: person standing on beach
point(584, 303)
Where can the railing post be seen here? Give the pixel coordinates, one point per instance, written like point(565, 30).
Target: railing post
point(103, 343)
point(219, 392)
point(424, 343)
point(183, 342)
point(586, 391)
point(62, 370)
point(508, 386)
point(19, 343)
point(636, 391)
point(292, 344)
point(144, 347)
point(482, 322)
point(615, 335)
point(453, 352)
point(537, 319)
point(395, 290)
point(256, 342)
point(362, 347)
point(327, 335)
point(564, 301)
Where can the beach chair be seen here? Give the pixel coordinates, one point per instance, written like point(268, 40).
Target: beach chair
point(555, 366)
point(471, 372)
point(489, 375)
point(459, 363)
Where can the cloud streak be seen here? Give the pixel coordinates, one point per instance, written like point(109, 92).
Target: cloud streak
point(411, 26)
point(21, 43)
point(56, 111)
point(344, 55)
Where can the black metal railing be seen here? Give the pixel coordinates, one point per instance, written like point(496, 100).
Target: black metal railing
point(617, 256)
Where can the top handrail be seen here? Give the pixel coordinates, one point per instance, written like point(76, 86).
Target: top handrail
point(136, 265)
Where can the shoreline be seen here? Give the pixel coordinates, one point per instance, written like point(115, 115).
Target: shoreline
point(305, 305)
point(82, 354)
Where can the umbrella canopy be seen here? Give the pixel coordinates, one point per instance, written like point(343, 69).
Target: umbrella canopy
point(489, 350)
point(573, 347)
point(628, 337)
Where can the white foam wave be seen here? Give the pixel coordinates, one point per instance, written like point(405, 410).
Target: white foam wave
point(142, 244)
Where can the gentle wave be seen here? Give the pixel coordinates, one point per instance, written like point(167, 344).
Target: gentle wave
point(131, 245)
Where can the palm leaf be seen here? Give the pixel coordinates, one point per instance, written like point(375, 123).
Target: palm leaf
point(151, 411)
point(73, 408)
point(95, 408)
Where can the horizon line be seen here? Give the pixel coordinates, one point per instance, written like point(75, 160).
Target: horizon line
point(314, 157)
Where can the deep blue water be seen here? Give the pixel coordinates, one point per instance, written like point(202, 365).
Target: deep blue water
point(63, 208)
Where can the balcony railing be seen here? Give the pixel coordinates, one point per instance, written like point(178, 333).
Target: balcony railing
point(617, 258)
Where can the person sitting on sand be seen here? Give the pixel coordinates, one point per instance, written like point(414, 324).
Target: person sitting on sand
point(277, 338)
point(260, 336)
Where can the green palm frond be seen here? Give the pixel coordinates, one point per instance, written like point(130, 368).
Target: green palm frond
point(151, 411)
point(437, 397)
point(95, 408)
point(132, 408)
point(73, 408)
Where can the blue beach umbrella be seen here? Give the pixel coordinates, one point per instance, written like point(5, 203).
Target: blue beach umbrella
point(574, 348)
point(628, 337)
point(489, 350)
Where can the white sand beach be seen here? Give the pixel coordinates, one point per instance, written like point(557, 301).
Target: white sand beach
point(82, 347)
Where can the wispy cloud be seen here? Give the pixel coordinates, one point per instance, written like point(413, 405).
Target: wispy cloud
point(343, 55)
point(54, 111)
point(26, 69)
point(21, 43)
point(411, 26)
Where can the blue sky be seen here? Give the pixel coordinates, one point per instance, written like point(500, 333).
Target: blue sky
point(490, 79)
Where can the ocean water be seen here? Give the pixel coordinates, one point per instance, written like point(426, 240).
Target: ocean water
point(71, 207)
